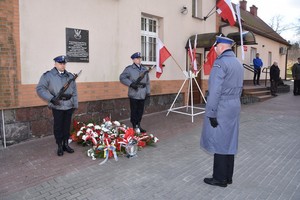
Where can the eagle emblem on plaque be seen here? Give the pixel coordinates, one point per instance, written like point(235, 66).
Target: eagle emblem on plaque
point(77, 34)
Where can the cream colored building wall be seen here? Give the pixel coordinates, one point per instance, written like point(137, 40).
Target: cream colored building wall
point(114, 34)
point(263, 47)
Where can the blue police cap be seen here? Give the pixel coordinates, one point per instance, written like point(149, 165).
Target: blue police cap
point(60, 59)
point(136, 55)
point(226, 40)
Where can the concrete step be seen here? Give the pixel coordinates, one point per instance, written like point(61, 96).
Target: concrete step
point(264, 97)
point(254, 88)
point(257, 93)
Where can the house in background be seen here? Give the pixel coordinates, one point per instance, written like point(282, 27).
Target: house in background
point(33, 32)
point(269, 44)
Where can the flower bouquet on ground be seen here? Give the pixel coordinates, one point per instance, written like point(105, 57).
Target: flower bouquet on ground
point(110, 139)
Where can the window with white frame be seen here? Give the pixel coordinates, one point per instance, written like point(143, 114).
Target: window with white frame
point(252, 55)
point(149, 33)
point(269, 59)
point(197, 8)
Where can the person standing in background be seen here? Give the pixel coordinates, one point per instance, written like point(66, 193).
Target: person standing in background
point(296, 77)
point(274, 78)
point(62, 109)
point(257, 62)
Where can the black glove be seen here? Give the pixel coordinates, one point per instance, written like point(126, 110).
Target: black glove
point(213, 122)
point(143, 85)
point(134, 85)
point(55, 101)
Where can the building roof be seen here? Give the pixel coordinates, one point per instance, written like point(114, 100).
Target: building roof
point(253, 23)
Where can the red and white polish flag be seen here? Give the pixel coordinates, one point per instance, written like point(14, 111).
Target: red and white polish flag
point(162, 54)
point(226, 11)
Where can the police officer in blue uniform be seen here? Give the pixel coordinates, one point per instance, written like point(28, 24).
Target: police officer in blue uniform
point(137, 93)
point(62, 109)
point(222, 112)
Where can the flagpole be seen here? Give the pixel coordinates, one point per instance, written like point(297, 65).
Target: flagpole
point(210, 14)
point(177, 63)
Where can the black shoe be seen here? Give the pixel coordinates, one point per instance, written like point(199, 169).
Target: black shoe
point(143, 130)
point(212, 181)
point(60, 151)
point(67, 148)
point(274, 95)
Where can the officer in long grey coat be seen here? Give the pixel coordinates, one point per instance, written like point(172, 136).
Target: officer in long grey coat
point(221, 122)
point(62, 109)
point(137, 93)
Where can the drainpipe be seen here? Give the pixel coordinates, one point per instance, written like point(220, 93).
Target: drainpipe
point(3, 127)
point(286, 60)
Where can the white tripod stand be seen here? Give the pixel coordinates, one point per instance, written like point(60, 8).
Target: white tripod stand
point(188, 76)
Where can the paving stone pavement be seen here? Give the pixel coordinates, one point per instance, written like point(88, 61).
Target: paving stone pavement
point(267, 166)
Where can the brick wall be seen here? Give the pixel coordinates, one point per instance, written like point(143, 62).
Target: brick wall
point(22, 124)
point(9, 53)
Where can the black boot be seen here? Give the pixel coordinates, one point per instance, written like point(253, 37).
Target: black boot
point(141, 129)
point(60, 151)
point(212, 181)
point(66, 147)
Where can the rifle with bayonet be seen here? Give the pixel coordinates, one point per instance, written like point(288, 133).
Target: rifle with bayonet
point(137, 83)
point(61, 94)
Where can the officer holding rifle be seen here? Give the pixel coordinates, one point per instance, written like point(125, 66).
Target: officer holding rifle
point(136, 77)
point(58, 88)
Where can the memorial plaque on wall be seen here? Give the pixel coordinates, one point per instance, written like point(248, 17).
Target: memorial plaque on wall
point(77, 41)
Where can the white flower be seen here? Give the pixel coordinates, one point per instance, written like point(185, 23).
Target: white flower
point(90, 125)
point(116, 123)
point(156, 139)
point(94, 134)
point(89, 131)
point(79, 132)
point(105, 130)
point(97, 127)
point(84, 137)
point(108, 124)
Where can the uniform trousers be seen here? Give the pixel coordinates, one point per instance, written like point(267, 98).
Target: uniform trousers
point(62, 124)
point(136, 111)
point(223, 167)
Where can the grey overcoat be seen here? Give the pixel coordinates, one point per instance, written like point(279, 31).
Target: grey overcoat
point(49, 85)
point(223, 102)
point(131, 74)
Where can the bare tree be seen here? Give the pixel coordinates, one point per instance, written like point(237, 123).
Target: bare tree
point(277, 25)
